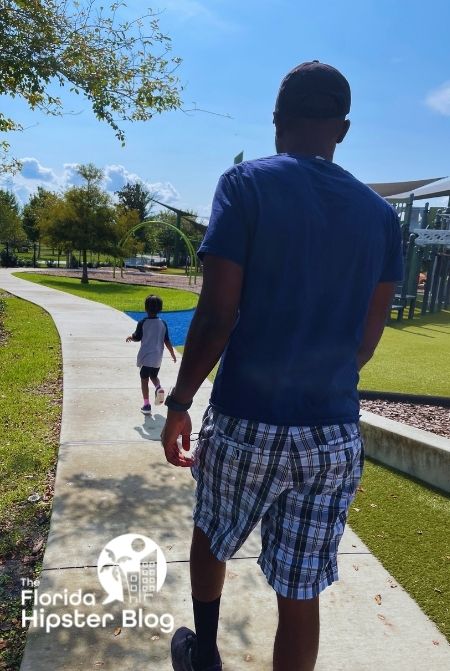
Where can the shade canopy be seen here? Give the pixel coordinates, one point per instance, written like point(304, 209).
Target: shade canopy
point(440, 187)
point(389, 189)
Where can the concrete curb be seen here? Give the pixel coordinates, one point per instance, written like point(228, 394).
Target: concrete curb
point(419, 453)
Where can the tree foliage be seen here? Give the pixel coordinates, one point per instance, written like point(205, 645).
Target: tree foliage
point(11, 231)
point(35, 213)
point(136, 197)
point(123, 68)
point(10, 225)
point(84, 218)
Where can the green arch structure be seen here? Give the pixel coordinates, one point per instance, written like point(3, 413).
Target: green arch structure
point(193, 266)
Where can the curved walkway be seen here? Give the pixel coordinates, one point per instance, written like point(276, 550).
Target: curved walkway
point(112, 479)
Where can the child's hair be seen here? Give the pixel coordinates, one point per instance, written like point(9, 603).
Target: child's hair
point(153, 304)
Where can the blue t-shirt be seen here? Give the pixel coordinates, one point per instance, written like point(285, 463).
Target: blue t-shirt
point(313, 242)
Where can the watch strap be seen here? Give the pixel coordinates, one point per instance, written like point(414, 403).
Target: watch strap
point(172, 404)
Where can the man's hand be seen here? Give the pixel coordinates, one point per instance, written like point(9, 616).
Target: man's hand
point(129, 339)
point(174, 358)
point(177, 423)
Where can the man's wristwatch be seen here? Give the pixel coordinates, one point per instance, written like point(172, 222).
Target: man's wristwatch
point(172, 404)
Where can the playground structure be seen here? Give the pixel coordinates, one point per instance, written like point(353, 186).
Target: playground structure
point(192, 263)
point(192, 269)
point(426, 249)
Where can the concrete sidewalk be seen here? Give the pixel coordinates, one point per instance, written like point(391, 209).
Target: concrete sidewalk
point(112, 479)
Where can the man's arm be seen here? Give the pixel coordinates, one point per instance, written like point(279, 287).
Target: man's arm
point(208, 335)
point(376, 320)
point(211, 326)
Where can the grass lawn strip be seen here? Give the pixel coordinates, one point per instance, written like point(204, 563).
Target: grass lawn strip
point(120, 296)
point(405, 524)
point(412, 357)
point(30, 416)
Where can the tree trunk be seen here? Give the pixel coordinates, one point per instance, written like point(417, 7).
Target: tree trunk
point(84, 275)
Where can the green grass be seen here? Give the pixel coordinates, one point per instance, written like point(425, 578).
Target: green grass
point(413, 357)
point(173, 271)
point(30, 413)
point(30, 409)
point(120, 296)
point(405, 524)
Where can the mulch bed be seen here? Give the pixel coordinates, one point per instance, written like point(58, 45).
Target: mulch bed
point(427, 417)
point(133, 277)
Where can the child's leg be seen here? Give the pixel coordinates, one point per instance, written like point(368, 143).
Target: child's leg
point(155, 380)
point(159, 391)
point(145, 374)
point(145, 392)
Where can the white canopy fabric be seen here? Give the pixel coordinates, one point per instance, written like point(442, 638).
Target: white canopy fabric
point(387, 189)
point(440, 187)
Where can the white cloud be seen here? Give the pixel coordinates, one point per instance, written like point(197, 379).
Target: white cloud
point(164, 191)
point(32, 169)
point(116, 176)
point(70, 176)
point(439, 99)
point(34, 174)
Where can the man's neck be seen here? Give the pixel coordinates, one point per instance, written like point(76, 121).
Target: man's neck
point(307, 149)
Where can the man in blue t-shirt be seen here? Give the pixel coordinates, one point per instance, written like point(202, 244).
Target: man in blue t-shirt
point(300, 263)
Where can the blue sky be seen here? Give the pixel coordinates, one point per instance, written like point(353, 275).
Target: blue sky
point(235, 53)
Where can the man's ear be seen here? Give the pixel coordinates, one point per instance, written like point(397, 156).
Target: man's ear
point(344, 131)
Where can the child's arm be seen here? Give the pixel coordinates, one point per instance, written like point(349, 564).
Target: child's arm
point(168, 344)
point(137, 335)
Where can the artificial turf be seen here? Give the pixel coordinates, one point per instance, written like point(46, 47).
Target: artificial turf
point(405, 524)
point(124, 297)
point(413, 357)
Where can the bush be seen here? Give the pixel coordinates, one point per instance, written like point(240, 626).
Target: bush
point(7, 259)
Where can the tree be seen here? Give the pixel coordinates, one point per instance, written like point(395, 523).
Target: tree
point(11, 231)
point(165, 238)
point(136, 197)
point(122, 68)
point(36, 211)
point(84, 218)
point(126, 220)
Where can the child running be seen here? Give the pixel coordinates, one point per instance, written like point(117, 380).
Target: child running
point(153, 334)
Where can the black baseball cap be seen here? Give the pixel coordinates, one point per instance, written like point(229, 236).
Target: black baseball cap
point(313, 90)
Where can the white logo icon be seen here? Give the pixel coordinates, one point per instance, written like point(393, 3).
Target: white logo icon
point(131, 567)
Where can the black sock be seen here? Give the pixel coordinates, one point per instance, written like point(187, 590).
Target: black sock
point(206, 617)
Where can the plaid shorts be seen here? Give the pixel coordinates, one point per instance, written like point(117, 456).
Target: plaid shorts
point(298, 481)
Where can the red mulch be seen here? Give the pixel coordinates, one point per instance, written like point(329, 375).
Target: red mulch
point(133, 277)
point(428, 417)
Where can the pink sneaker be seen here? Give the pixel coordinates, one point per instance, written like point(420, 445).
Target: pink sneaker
point(159, 396)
